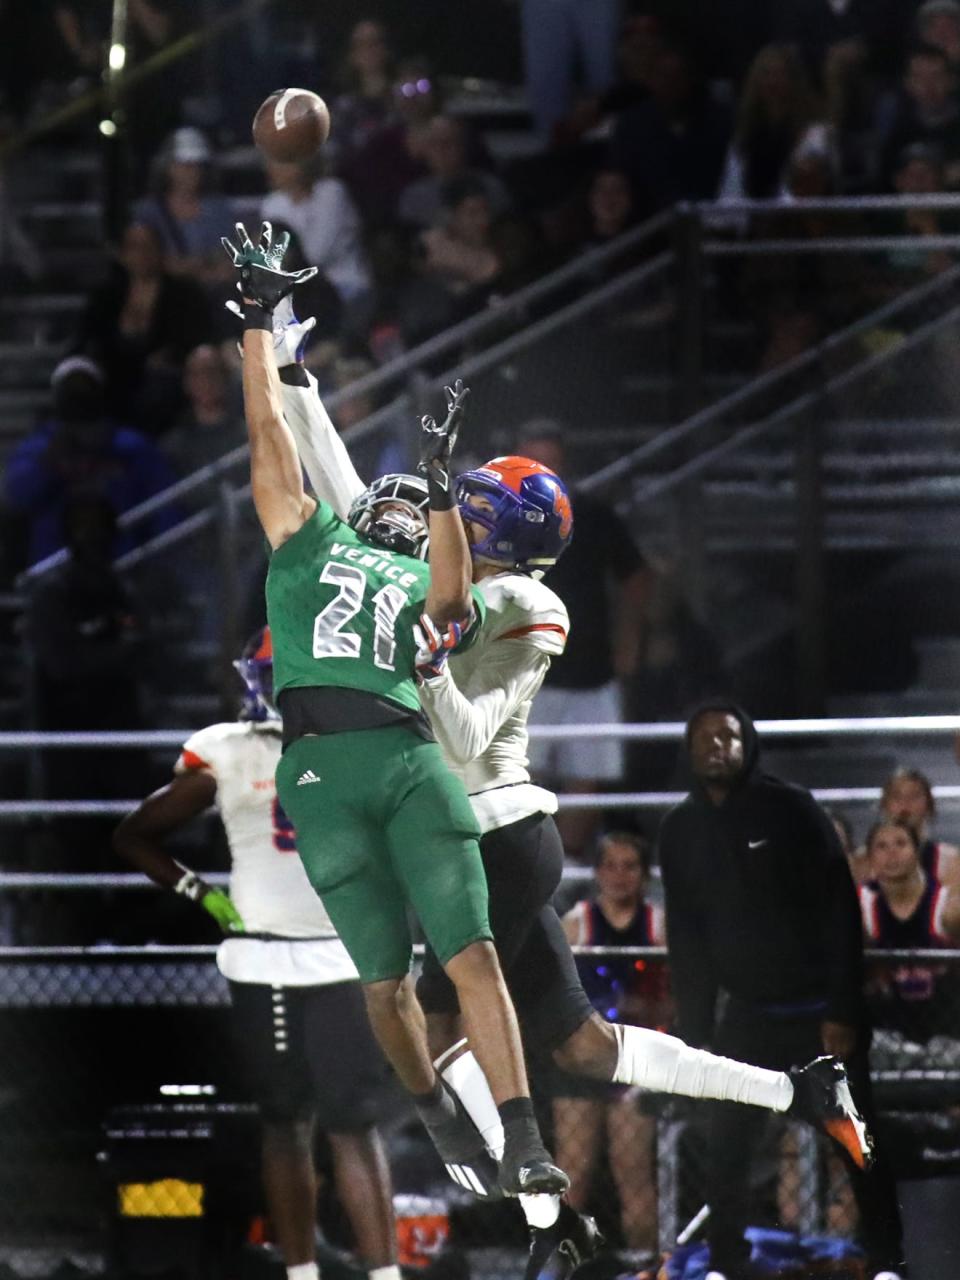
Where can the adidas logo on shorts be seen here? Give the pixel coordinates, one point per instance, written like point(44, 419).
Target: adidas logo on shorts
point(307, 776)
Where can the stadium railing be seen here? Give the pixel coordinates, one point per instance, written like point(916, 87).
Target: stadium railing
point(781, 731)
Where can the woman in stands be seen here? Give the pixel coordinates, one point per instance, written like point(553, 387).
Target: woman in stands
point(908, 797)
point(904, 908)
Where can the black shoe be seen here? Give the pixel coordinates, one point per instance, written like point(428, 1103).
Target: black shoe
point(573, 1238)
point(535, 1175)
point(821, 1096)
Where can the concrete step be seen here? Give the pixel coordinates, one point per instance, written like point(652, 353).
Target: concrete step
point(28, 363)
point(42, 304)
point(47, 211)
point(63, 223)
point(40, 319)
point(939, 666)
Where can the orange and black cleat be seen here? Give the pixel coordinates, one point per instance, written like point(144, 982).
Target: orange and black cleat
point(822, 1097)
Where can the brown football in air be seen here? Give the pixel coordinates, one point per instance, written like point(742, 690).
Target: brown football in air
point(291, 125)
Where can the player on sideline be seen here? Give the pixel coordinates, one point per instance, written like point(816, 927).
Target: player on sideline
point(301, 1027)
point(516, 514)
point(380, 820)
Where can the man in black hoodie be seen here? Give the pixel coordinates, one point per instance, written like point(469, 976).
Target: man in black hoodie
point(762, 912)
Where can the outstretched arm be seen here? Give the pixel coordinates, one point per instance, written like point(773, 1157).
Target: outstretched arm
point(282, 504)
point(321, 450)
point(325, 459)
point(277, 479)
point(451, 568)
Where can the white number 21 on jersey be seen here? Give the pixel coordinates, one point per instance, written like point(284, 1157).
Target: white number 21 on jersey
point(330, 640)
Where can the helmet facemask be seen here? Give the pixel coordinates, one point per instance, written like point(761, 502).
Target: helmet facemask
point(391, 513)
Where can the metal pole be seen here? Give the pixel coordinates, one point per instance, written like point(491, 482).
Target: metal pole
point(112, 126)
point(228, 555)
point(689, 396)
point(810, 568)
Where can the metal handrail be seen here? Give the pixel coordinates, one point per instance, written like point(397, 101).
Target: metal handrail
point(826, 204)
point(695, 466)
point(640, 731)
point(186, 951)
point(828, 244)
point(120, 81)
point(466, 331)
point(770, 380)
point(601, 800)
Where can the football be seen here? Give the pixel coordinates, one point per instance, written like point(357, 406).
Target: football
point(291, 125)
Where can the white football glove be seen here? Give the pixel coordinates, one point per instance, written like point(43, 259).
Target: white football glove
point(289, 333)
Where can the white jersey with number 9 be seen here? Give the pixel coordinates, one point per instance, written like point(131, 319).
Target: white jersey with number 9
point(268, 884)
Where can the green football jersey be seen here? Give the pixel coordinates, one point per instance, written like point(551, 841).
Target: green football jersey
point(342, 611)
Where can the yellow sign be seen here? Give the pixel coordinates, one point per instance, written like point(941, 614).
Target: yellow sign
point(167, 1198)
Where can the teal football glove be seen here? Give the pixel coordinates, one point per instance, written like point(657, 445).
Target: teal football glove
point(262, 278)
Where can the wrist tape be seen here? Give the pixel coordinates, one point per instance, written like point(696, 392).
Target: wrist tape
point(257, 317)
point(191, 886)
point(440, 488)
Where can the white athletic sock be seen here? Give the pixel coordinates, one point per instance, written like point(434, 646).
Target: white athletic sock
point(392, 1272)
point(466, 1079)
point(667, 1065)
point(540, 1211)
point(304, 1271)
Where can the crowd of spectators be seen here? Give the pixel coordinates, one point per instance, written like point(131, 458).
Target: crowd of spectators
point(415, 224)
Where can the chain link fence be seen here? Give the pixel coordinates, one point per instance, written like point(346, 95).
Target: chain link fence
point(126, 1137)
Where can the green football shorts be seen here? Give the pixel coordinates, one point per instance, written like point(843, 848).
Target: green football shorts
point(381, 823)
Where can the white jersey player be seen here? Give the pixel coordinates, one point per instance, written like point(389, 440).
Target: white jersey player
point(518, 518)
point(303, 1037)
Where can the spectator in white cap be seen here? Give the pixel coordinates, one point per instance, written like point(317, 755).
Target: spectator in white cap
point(183, 208)
point(319, 209)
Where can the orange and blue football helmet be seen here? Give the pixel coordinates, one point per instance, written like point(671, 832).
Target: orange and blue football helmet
point(531, 518)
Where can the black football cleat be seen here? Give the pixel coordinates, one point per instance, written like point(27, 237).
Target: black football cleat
point(561, 1248)
point(821, 1096)
point(534, 1175)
